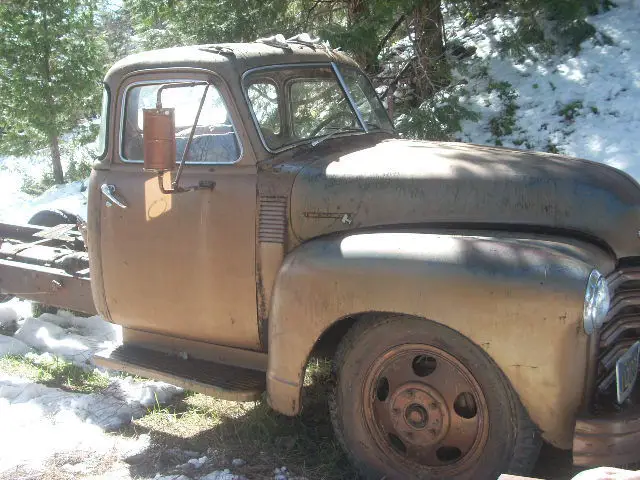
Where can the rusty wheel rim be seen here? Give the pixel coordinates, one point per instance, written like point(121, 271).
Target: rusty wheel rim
point(426, 409)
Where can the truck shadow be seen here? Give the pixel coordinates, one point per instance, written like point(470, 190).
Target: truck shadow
point(266, 440)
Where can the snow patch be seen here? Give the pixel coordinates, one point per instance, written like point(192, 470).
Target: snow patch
point(584, 106)
point(222, 475)
point(109, 409)
point(12, 346)
point(73, 338)
point(45, 423)
point(51, 422)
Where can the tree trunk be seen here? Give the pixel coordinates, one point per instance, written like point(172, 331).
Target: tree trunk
point(431, 71)
point(357, 11)
point(54, 146)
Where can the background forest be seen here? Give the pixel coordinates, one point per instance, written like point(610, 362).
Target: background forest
point(444, 68)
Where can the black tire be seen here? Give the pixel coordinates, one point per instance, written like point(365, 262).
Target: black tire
point(511, 442)
point(51, 218)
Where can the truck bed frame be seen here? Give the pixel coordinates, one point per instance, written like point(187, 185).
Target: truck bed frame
point(48, 265)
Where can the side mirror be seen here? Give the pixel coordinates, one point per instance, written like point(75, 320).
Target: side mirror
point(159, 134)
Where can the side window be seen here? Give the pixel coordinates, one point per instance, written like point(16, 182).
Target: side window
point(215, 139)
point(264, 101)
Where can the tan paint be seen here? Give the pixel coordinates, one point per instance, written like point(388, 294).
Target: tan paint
point(94, 236)
point(271, 256)
point(177, 258)
point(520, 300)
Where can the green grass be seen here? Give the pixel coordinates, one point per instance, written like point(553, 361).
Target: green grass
point(57, 373)
point(571, 110)
point(252, 431)
point(504, 123)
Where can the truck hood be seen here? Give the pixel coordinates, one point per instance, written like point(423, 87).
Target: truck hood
point(455, 185)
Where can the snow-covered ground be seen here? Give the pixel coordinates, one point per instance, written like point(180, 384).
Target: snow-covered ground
point(65, 434)
point(17, 207)
point(586, 105)
point(48, 425)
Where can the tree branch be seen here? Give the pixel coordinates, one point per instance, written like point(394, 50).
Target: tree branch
point(398, 77)
point(391, 31)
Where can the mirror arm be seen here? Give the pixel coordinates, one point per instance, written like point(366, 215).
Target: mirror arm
point(174, 184)
point(174, 85)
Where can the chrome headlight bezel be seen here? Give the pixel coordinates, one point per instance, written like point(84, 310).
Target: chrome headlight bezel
point(596, 302)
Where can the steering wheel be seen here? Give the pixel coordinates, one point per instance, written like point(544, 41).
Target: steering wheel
point(331, 118)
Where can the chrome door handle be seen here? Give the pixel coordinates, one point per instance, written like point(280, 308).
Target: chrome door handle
point(109, 191)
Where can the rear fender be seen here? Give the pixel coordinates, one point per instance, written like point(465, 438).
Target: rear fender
point(519, 299)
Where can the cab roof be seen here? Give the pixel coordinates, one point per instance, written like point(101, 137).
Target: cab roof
point(227, 59)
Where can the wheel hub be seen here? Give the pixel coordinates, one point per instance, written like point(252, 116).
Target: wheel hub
point(419, 414)
point(426, 408)
point(416, 416)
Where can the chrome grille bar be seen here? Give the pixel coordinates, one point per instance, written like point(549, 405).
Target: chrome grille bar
point(622, 327)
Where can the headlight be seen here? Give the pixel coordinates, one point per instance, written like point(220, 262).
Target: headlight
point(596, 302)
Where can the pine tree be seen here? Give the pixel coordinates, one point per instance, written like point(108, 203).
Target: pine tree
point(51, 63)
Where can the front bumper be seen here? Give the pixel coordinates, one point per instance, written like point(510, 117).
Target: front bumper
point(607, 440)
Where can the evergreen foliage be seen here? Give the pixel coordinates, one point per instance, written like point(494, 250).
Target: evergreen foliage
point(51, 63)
point(54, 53)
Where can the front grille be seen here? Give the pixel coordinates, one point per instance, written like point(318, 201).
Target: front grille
point(622, 327)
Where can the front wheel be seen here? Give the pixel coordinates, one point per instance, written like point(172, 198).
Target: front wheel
point(414, 399)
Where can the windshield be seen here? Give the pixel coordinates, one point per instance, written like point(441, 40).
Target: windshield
point(101, 146)
point(300, 103)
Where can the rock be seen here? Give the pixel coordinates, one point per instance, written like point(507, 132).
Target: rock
point(238, 462)
point(177, 455)
point(281, 474)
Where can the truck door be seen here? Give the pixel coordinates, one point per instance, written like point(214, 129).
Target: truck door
point(184, 264)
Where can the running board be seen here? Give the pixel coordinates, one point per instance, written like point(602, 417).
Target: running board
point(214, 379)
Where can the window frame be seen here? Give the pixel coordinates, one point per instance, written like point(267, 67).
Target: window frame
point(175, 79)
point(386, 112)
point(340, 80)
point(106, 121)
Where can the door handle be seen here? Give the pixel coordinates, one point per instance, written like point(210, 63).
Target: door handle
point(109, 191)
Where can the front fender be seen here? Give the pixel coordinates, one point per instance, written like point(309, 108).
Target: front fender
point(519, 299)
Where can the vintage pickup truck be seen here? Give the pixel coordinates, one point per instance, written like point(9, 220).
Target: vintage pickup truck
point(252, 207)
